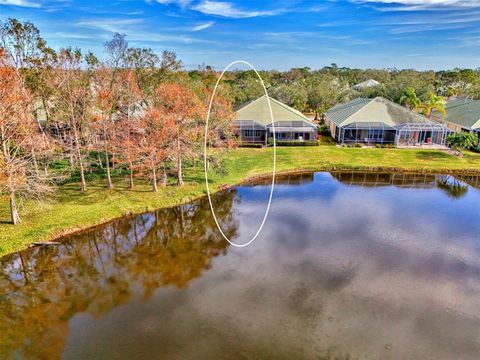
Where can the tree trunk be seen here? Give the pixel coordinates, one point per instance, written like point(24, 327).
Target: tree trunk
point(179, 164)
point(45, 165)
point(83, 184)
point(165, 178)
point(70, 160)
point(40, 127)
point(154, 180)
point(13, 209)
point(35, 163)
point(46, 109)
point(109, 178)
point(99, 161)
point(131, 177)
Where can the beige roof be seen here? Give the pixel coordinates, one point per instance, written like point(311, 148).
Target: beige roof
point(259, 112)
point(377, 110)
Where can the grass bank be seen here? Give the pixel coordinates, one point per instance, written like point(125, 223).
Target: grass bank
point(71, 210)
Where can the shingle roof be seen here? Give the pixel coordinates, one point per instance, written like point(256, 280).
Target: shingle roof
point(341, 112)
point(259, 112)
point(365, 84)
point(463, 112)
point(377, 110)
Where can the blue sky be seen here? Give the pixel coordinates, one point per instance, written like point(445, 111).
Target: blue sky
point(422, 34)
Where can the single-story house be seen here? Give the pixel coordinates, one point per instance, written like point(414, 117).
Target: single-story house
point(381, 121)
point(254, 123)
point(365, 84)
point(462, 115)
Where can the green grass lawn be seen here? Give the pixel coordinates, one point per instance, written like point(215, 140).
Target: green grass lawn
point(71, 210)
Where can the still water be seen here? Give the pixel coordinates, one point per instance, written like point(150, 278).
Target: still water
point(367, 266)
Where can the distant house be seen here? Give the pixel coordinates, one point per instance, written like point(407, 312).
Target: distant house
point(365, 84)
point(381, 121)
point(254, 123)
point(462, 115)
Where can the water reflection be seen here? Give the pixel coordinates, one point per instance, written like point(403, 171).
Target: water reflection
point(454, 187)
point(405, 180)
point(43, 288)
point(339, 272)
point(287, 179)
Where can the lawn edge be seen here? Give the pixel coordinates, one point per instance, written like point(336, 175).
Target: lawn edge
point(251, 179)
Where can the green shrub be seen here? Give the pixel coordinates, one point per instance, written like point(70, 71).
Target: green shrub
point(390, 146)
point(358, 145)
point(378, 146)
point(296, 143)
point(246, 145)
point(326, 140)
point(463, 140)
point(323, 130)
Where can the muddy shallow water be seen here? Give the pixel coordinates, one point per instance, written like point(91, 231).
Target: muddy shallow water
point(348, 265)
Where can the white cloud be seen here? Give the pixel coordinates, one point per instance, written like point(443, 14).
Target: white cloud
point(22, 3)
point(226, 9)
point(204, 26)
point(422, 4)
point(181, 3)
point(111, 25)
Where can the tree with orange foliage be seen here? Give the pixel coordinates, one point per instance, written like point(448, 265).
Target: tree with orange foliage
point(128, 127)
point(220, 123)
point(17, 128)
point(180, 110)
point(102, 121)
point(153, 144)
point(73, 100)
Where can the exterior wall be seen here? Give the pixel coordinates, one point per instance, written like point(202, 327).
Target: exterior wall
point(451, 126)
point(258, 136)
point(332, 127)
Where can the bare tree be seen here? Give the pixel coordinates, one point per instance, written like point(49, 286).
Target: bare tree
point(73, 99)
point(17, 133)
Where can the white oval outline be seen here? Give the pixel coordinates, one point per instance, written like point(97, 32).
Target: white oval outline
point(274, 154)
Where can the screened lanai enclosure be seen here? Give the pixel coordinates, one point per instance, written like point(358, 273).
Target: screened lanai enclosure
point(380, 121)
point(254, 123)
point(421, 133)
point(409, 134)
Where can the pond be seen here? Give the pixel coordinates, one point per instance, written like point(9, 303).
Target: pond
point(348, 265)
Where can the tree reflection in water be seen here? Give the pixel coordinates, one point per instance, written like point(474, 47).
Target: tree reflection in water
point(452, 187)
point(42, 288)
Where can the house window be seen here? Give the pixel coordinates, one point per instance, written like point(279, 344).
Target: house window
point(252, 133)
point(375, 134)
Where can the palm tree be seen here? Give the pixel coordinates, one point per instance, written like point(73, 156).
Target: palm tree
point(409, 98)
point(434, 102)
point(452, 187)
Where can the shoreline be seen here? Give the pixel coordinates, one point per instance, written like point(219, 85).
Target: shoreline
point(250, 180)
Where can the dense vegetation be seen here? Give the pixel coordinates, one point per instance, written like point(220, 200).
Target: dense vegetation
point(71, 116)
point(310, 90)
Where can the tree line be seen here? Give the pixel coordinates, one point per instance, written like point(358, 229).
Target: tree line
point(133, 110)
point(67, 114)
